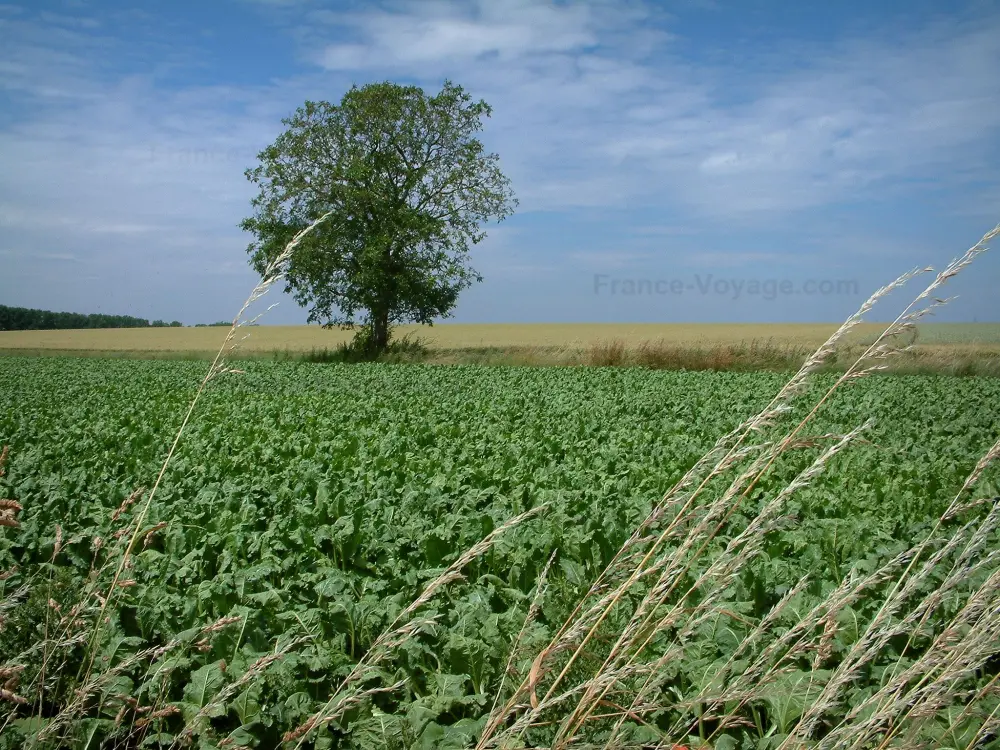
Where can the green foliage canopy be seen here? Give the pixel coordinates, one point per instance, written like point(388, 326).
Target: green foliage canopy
point(410, 186)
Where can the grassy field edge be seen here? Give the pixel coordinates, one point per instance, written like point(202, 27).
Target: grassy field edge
point(753, 356)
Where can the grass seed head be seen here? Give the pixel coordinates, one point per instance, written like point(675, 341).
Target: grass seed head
point(127, 503)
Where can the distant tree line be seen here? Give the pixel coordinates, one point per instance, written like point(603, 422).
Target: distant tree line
point(26, 319)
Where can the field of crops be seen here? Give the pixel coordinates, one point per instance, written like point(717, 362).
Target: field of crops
point(457, 336)
point(311, 504)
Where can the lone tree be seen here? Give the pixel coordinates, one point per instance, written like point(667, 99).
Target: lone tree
point(409, 186)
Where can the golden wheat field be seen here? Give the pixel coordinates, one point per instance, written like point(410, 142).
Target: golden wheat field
point(456, 336)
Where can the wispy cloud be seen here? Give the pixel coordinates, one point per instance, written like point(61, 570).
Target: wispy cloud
point(613, 120)
point(58, 257)
point(607, 259)
point(735, 259)
point(37, 256)
point(439, 34)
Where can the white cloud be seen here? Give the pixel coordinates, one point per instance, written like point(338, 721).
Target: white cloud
point(606, 259)
point(569, 88)
point(735, 259)
point(42, 256)
point(59, 257)
point(435, 32)
point(62, 19)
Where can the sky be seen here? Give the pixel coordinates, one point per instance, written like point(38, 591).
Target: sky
point(697, 160)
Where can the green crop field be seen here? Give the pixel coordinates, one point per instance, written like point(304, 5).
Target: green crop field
point(308, 505)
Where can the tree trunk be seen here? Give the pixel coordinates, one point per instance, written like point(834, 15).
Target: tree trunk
point(380, 330)
point(380, 313)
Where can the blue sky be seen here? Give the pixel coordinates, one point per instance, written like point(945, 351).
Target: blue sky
point(684, 151)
